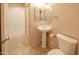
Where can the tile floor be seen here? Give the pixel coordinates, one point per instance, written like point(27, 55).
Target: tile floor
point(19, 46)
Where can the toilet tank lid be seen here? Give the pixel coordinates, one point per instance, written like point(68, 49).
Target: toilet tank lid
point(67, 38)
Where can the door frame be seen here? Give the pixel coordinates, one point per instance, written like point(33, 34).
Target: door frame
point(27, 19)
point(2, 28)
point(0, 32)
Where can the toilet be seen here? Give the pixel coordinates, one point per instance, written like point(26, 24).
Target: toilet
point(67, 45)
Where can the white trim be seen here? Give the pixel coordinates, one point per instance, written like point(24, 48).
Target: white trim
point(27, 24)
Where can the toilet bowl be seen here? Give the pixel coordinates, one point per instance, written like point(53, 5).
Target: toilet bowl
point(67, 46)
point(56, 52)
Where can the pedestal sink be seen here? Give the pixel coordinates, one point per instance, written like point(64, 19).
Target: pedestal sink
point(44, 29)
point(44, 20)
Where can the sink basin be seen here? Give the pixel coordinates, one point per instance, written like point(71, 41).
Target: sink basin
point(44, 28)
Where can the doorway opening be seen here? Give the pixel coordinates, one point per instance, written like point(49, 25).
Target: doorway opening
point(14, 27)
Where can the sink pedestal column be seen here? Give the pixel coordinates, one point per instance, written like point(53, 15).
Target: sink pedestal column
point(43, 40)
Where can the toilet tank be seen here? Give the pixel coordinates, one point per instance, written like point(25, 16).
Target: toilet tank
point(66, 44)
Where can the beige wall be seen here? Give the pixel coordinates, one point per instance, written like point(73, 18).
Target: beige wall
point(67, 19)
point(67, 23)
point(34, 34)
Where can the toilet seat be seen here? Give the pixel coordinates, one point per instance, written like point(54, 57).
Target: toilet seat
point(56, 52)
